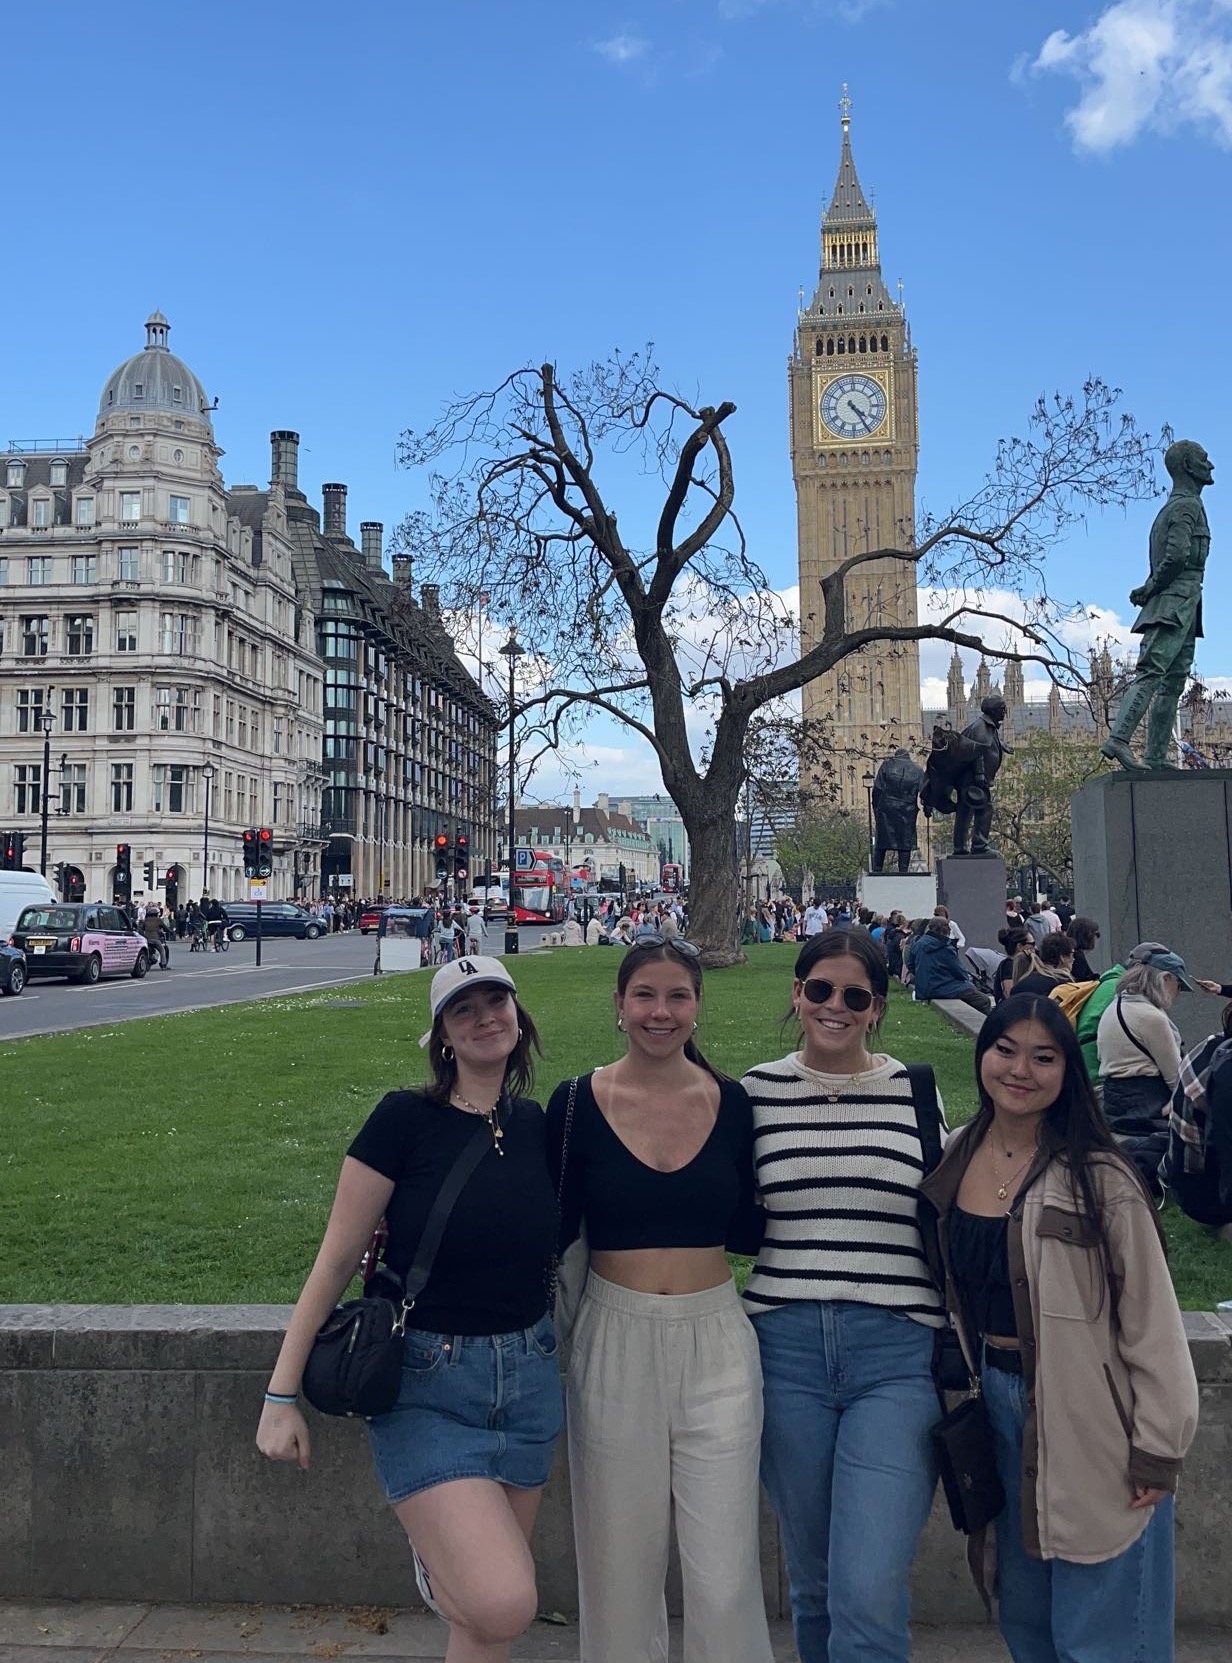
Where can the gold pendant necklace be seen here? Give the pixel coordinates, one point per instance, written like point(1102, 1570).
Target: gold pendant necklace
point(1003, 1192)
point(492, 1116)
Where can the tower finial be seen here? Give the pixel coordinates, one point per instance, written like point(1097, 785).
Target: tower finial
point(844, 105)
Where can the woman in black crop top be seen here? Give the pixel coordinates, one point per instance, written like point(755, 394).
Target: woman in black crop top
point(653, 1158)
point(465, 1452)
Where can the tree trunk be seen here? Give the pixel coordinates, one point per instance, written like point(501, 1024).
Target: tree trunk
point(714, 873)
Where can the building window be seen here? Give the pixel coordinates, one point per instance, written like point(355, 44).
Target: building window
point(40, 568)
point(228, 795)
point(85, 568)
point(243, 728)
point(4, 570)
point(40, 512)
point(172, 788)
point(179, 634)
point(277, 815)
point(187, 567)
point(126, 632)
point(124, 708)
point(85, 510)
point(187, 710)
point(130, 507)
point(162, 709)
point(79, 634)
point(73, 788)
point(216, 720)
point(59, 473)
point(34, 635)
point(179, 510)
point(168, 565)
point(127, 569)
point(75, 709)
point(27, 788)
point(4, 511)
point(121, 788)
point(16, 475)
point(277, 735)
point(30, 710)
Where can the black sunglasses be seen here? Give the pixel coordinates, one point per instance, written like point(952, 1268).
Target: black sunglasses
point(819, 992)
point(652, 938)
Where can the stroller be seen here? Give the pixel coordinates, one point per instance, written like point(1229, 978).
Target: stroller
point(982, 962)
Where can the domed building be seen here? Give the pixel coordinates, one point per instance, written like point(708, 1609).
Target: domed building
point(201, 659)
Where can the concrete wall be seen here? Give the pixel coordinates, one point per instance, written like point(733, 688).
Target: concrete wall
point(129, 1472)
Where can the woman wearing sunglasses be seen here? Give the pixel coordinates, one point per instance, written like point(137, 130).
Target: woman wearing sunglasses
point(653, 1158)
point(845, 1311)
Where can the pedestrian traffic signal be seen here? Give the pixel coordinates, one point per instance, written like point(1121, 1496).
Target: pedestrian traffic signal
point(265, 852)
point(124, 868)
point(461, 856)
point(148, 873)
point(440, 844)
point(13, 851)
point(252, 853)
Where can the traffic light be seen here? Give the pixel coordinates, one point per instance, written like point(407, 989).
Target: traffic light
point(148, 872)
point(61, 879)
point(265, 852)
point(124, 869)
point(461, 856)
point(13, 852)
point(252, 853)
point(440, 844)
point(171, 886)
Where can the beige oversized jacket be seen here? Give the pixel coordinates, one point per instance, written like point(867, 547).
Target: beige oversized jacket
point(1109, 1405)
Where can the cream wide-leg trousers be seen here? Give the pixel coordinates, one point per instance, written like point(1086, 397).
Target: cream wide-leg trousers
point(664, 1406)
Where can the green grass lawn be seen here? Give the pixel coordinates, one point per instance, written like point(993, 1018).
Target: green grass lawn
point(190, 1159)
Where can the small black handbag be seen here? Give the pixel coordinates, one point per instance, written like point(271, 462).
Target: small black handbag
point(355, 1365)
point(963, 1444)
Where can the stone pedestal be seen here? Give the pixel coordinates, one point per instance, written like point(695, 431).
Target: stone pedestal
point(973, 888)
point(911, 893)
point(1153, 862)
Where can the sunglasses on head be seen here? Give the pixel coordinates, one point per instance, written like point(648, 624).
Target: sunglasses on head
point(652, 938)
point(819, 992)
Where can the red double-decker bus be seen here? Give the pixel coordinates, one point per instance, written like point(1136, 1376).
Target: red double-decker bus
point(671, 877)
point(538, 893)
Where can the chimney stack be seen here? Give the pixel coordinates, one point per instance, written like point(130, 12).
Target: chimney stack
point(284, 459)
point(403, 570)
point(335, 510)
point(430, 600)
point(371, 533)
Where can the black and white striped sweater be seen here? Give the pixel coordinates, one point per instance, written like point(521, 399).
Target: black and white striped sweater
point(839, 1181)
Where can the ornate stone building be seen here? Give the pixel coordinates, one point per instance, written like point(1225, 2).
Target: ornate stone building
point(854, 446)
point(208, 659)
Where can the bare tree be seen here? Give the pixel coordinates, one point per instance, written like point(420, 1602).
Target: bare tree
point(650, 629)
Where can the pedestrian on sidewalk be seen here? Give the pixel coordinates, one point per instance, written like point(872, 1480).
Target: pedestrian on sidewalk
point(464, 1454)
point(653, 1158)
point(1057, 1280)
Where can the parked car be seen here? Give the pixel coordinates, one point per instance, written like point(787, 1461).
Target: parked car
point(278, 918)
point(12, 970)
point(82, 940)
point(370, 918)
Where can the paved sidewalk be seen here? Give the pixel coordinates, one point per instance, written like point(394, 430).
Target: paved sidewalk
point(98, 1632)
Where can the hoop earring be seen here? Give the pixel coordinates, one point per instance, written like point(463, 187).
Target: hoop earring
point(620, 1023)
point(447, 1052)
point(521, 1036)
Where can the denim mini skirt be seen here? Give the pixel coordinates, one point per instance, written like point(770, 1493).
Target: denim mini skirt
point(471, 1406)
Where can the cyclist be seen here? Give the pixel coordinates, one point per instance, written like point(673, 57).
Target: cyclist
point(216, 922)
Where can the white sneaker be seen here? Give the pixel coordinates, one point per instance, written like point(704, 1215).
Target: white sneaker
point(423, 1583)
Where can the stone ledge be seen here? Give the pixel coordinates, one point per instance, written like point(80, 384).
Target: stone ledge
point(963, 1017)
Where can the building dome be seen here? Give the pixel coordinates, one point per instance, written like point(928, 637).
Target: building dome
point(155, 379)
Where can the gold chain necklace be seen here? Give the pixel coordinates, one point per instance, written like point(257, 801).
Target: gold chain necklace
point(491, 1115)
point(1003, 1192)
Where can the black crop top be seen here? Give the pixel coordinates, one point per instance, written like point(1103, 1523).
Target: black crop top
point(626, 1204)
point(980, 1264)
point(491, 1274)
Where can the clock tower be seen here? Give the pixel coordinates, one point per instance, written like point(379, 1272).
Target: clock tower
point(854, 445)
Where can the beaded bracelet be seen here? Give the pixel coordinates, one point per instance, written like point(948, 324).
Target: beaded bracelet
point(279, 1397)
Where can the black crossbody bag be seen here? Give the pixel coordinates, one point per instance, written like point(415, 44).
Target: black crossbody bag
point(355, 1365)
point(962, 1439)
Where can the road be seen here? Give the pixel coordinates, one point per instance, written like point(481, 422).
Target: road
point(197, 981)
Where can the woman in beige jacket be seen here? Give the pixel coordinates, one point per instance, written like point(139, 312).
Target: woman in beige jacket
point(1056, 1277)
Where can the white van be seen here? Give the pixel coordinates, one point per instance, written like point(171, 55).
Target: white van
point(18, 890)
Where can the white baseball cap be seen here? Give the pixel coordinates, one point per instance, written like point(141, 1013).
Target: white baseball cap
point(451, 979)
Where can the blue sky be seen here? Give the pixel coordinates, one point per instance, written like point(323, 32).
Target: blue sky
point(350, 213)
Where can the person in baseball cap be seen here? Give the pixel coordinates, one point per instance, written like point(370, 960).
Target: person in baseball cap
point(1161, 958)
point(465, 973)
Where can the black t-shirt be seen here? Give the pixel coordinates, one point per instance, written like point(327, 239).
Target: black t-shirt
point(1038, 982)
point(491, 1274)
point(627, 1204)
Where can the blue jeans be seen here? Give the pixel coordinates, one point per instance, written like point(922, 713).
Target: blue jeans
point(848, 1467)
point(1055, 1611)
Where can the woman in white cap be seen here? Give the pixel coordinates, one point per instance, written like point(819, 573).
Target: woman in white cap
point(465, 1453)
point(654, 1160)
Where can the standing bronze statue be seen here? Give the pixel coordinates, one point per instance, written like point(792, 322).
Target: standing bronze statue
point(896, 808)
point(1170, 620)
point(960, 774)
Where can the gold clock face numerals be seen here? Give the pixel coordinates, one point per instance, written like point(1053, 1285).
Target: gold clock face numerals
point(853, 407)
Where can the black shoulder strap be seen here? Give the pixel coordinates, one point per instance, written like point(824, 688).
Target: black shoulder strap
point(1132, 1036)
point(438, 1217)
point(927, 1112)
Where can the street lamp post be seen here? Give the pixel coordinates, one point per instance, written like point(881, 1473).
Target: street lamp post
point(868, 788)
point(512, 652)
point(45, 721)
point(207, 774)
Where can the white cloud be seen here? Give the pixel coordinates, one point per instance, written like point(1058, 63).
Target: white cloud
point(622, 49)
point(1147, 64)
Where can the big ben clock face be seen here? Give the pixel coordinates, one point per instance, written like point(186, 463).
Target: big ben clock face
point(853, 406)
